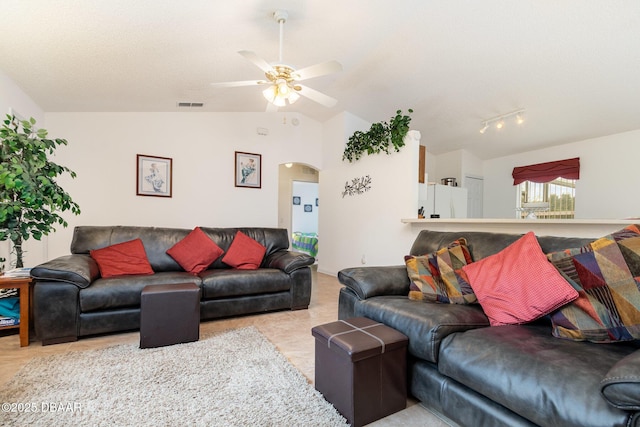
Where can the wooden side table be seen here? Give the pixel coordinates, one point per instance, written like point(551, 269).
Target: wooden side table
point(23, 284)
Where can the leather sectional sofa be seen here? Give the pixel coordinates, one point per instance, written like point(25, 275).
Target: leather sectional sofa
point(71, 299)
point(482, 375)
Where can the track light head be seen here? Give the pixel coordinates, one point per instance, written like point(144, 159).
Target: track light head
point(499, 121)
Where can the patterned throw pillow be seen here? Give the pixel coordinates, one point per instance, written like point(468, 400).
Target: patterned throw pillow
point(605, 274)
point(438, 277)
point(518, 285)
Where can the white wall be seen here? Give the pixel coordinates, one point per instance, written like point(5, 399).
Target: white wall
point(301, 220)
point(447, 165)
point(102, 151)
point(13, 98)
point(297, 172)
point(367, 225)
point(607, 186)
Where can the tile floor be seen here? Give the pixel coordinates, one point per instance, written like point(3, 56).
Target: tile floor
point(289, 331)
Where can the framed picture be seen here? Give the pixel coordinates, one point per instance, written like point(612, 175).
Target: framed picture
point(296, 200)
point(154, 176)
point(308, 208)
point(248, 170)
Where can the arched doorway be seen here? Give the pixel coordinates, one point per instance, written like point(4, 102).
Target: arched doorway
point(298, 205)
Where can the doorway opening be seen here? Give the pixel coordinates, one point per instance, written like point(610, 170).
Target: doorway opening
point(299, 205)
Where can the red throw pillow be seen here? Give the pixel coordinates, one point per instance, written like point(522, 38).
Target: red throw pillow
point(244, 253)
point(122, 258)
point(518, 284)
point(196, 252)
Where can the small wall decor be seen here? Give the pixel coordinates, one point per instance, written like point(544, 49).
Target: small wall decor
point(308, 208)
point(357, 186)
point(248, 170)
point(154, 176)
point(296, 200)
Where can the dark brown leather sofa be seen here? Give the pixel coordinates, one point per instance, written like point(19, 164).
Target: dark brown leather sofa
point(71, 300)
point(478, 375)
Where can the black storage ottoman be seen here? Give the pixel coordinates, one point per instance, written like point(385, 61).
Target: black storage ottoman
point(169, 314)
point(360, 367)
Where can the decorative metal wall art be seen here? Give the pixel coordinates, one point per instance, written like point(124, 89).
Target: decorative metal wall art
point(357, 186)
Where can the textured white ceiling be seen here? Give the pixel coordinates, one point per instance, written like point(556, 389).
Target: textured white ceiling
point(574, 65)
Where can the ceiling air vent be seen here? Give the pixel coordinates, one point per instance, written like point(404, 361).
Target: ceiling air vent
point(190, 104)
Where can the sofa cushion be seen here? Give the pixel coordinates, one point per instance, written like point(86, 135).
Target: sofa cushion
point(438, 277)
point(244, 253)
point(621, 385)
point(608, 306)
point(196, 252)
point(518, 284)
point(426, 324)
point(122, 259)
point(548, 381)
point(124, 291)
point(223, 283)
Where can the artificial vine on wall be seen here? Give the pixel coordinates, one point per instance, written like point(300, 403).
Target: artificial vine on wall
point(379, 138)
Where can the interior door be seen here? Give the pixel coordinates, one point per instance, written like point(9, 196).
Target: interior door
point(475, 191)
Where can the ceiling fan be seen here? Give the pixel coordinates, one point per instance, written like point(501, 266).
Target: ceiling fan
point(282, 80)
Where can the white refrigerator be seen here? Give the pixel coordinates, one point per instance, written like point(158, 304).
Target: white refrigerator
point(446, 201)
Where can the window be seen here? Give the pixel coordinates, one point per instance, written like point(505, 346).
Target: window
point(548, 200)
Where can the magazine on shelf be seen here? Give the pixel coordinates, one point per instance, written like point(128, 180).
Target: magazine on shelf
point(18, 272)
point(8, 321)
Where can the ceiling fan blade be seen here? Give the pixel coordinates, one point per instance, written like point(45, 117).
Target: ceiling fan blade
point(259, 62)
point(318, 70)
point(316, 96)
point(240, 83)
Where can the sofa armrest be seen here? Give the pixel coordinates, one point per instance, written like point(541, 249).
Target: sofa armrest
point(79, 270)
point(288, 261)
point(621, 386)
point(367, 282)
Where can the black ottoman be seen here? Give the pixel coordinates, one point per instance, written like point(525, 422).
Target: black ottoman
point(169, 314)
point(361, 368)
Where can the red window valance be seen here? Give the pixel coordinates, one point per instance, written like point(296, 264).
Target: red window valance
point(545, 172)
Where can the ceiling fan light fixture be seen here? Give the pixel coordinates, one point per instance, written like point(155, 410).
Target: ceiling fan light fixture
point(283, 88)
point(270, 93)
point(281, 80)
point(279, 101)
point(293, 97)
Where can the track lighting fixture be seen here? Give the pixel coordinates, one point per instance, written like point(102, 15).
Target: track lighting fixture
point(499, 121)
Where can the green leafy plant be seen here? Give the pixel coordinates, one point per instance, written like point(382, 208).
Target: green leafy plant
point(379, 138)
point(29, 195)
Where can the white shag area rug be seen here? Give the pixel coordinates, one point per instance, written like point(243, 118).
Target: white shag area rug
point(233, 378)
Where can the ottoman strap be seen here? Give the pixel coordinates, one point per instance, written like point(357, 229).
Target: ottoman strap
point(355, 328)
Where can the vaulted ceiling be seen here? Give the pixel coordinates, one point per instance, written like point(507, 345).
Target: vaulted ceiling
point(573, 65)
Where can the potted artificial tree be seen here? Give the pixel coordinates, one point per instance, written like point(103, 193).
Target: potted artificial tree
point(30, 198)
